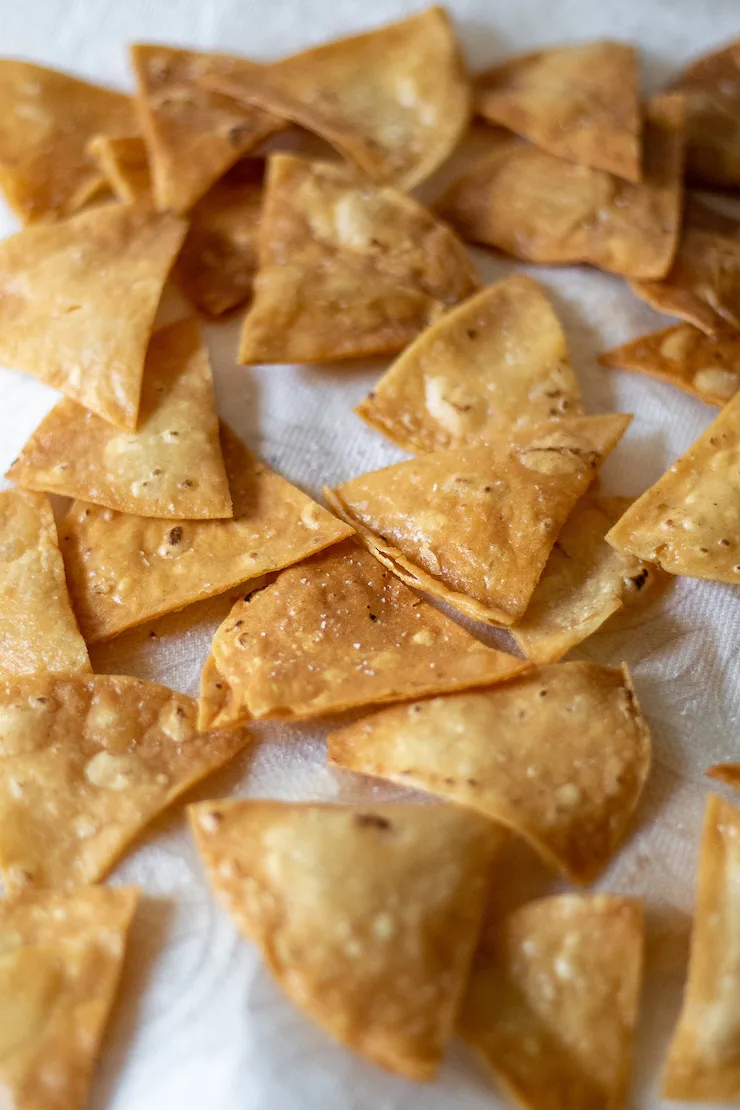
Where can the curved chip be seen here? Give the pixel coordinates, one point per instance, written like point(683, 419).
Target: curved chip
point(124, 164)
point(711, 86)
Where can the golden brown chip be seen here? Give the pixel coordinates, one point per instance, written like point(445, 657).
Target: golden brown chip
point(366, 917)
point(60, 963)
point(124, 570)
point(552, 1002)
point(712, 90)
point(579, 102)
point(474, 526)
point(345, 268)
point(335, 632)
point(124, 164)
point(495, 751)
point(496, 361)
point(540, 208)
point(728, 773)
point(46, 121)
point(170, 467)
point(38, 630)
point(86, 762)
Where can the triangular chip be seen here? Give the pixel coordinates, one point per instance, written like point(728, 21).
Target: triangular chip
point(78, 300)
point(540, 208)
point(703, 1062)
point(124, 570)
point(729, 773)
point(60, 963)
point(366, 917)
point(688, 521)
point(474, 526)
point(38, 630)
point(497, 360)
point(193, 136)
point(346, 268)
point(46, 121)
point(711, 86)
point(170, 467)
point(124, 164)
point(86, 762)
point(336, 632)
point(552, 1003)
point(579, 102)
point(560, 755)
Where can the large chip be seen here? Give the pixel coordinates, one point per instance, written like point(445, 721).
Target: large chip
point(38, 630)
point(170, 467)
point(366, 917)
point(124, 570)
point(86, 762)
point(336, 632)
point(711, 86)
point(540, 208)
point(496, 361)
point(60, 963)
point(560, 755)
point(394, 101)
point(578, 102)
point(474, 526)
point(46, 121)
point(346, 268)
point(553, 998)
point(124, 164)
point(78, 301)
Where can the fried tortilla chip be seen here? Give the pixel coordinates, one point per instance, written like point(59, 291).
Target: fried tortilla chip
point(38, 630)
point(496, 361)
point(552, 1002)
point(540, 208)
point(60, 964)
point(493, 751)
point(367, 918)
point(124, 570)
point(578, 102)
point(46, 121)
point(728, 773)
point(335, 632)
point(474, 526)
point(345, 268)
point(86, 762)
point(712, 90)
point(170, 467)
point(124, 164)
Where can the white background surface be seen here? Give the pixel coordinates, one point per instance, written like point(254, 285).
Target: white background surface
point(200, 1024)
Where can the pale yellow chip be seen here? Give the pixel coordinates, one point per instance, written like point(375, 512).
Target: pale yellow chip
point(60, 964)
point(474, 526)
point(124, 570)
point(346, 268)
point(38, 630)
point(367, 917)
point(579, 102)
point(711, 86)
point(170, 467)
point(124, 164)
point(46, 121)
point(540, 208)
point(335, 632)
point(560, 756)
point(498, 360)
point(78, 301)
point(86, 762)
point(552, 1002)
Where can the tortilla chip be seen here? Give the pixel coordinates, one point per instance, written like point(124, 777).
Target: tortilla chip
point(318, 888)
point(728, 773)
point(579, 102)
point(124, 164)
point(688, 521)
point(38, 630)
point(540, 208)
point(60, 964)
point(125, 570)
point(171, 467)
point(335, 632)
point(712, 90)
point(496, 361)
point(551, 1008)
point(46, 120)
point(346, 269)
point(474, 526)
point(86, 762)
point(704, 1058)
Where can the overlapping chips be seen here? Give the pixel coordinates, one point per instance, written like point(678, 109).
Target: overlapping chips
point(711, 86)
point(124, 164)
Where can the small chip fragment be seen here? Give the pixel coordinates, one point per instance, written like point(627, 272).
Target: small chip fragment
point(124, 164)
point(711, 86)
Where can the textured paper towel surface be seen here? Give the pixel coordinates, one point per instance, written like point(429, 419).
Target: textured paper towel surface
point(200, 1023)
